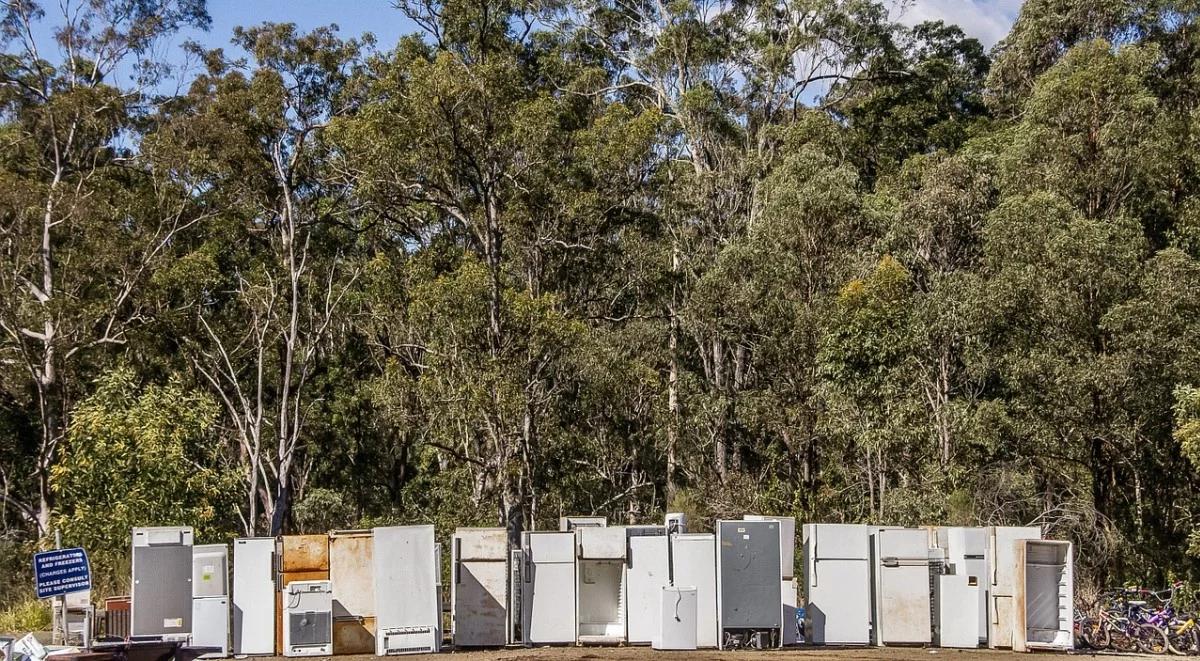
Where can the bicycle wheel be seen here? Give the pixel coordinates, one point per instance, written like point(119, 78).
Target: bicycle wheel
point(1096, 635)
point(1119, 638)
point(1150, 639)
point(1184, 641)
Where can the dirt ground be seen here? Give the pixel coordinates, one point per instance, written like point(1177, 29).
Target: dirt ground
point(800, 654)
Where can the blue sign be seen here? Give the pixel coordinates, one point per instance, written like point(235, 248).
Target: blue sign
point(61, 571)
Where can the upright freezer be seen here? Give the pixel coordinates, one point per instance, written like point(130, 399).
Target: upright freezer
point(479, 587)
point(694, 564)
point(253, 596)
point(1044, 614)
point(408, 610)
point(548, 588)
point(837, 579)
point(901, 575)
point(161, 595)
point(600, 593)
point(648, 569)
point(1002, 552)
point(749, 599)
point(351, 565)
point(967, 556)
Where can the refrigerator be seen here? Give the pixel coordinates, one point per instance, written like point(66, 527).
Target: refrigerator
point(1002, 541)
point(548, 588)
point(351, 565)
point(967, 556)
point(648, 569)
point(408, 609)
point(161, 594)
point(787, 549)
point(308, 619)
point(837, 583)
point(600, 589)
point(901, 576)
point(956, 609)
point(479, 587)
point(210, 598)
point(694, 564)
point(749, 598)
point(1044, 577)
point(253, 596)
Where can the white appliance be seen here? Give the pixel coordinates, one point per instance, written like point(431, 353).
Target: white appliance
point(210, 598)
point(901, 574)
point(1002, 542)
point(648, 570)
point(161, 595)
point(548, 588)
point(566, 523)
point(600, 594)
point(1045, 596)
point(308, 618)
point(837, 571)
point(677, 619)
point(408, 609)
point(210, 625)
point(479, 587)
point(967, 555)
point(694, 563)
point(787, 551)
point(956, 611)
point(253, 596)
point(675, 522)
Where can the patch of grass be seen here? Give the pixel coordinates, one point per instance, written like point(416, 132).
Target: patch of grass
point(24, 617)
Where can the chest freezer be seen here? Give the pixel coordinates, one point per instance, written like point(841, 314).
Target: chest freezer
point(694, 563)
point(479, 587)
point(837, 583)
point(749, 598)
point(161, 594)
point(901, 574)
point(408, 609)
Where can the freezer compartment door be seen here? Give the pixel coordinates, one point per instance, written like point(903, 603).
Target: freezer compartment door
point(549, 547)
point(601, 543)
point(838, 541)
point(481, 544)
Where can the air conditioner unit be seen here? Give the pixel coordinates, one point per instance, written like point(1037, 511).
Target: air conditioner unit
point(308, 618)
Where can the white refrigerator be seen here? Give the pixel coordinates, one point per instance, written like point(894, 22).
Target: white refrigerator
point(408, 608)
point(837, 582)
point(600, 593)
point(479, 587)
point(648, 570)
point(901, 575)
point(1002, 551)
point(694, 564)
point(967, 556)
point(253, 595)
point(548, 588)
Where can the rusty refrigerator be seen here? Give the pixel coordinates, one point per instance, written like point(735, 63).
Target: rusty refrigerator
point(351, 572)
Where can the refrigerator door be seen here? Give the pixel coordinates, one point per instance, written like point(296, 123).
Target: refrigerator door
point(748, 575)
point(408, 611)
point(695, 565)
point(549, 547)
point(956, 607)
point(902, 608)
point(787, 540)
point(837, 584)
point(210, 624)
point(479, 587)
point(350, 571)
point(253, 596)
point(601, 543)
point(1002, 552)
point(647, 576)
point(161, 594)
point(1044, 600)
point(967, 554)
point(548, 602)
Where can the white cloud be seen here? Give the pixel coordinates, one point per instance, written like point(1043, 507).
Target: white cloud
point(986, 20)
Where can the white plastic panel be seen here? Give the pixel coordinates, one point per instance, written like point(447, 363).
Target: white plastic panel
point(253, 596)
point(550, 546)
point(677, 619)
point(406, 587)
point(957, 608)
point(695, 565)
point(647, 576)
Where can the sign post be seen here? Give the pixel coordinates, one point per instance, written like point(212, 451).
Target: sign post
point(58, 573)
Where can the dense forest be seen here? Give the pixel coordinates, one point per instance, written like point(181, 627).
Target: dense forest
point(602, 256)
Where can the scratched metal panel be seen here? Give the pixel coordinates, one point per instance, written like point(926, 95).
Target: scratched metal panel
point(352, 574)
point(304, 553)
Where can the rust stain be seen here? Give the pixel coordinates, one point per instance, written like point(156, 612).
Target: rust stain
point(304, 553)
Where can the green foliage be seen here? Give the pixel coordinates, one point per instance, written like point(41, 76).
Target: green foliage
point(21, 617)
point(140, 455)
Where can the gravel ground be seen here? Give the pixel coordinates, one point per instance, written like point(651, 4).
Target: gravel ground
point(645, 654)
